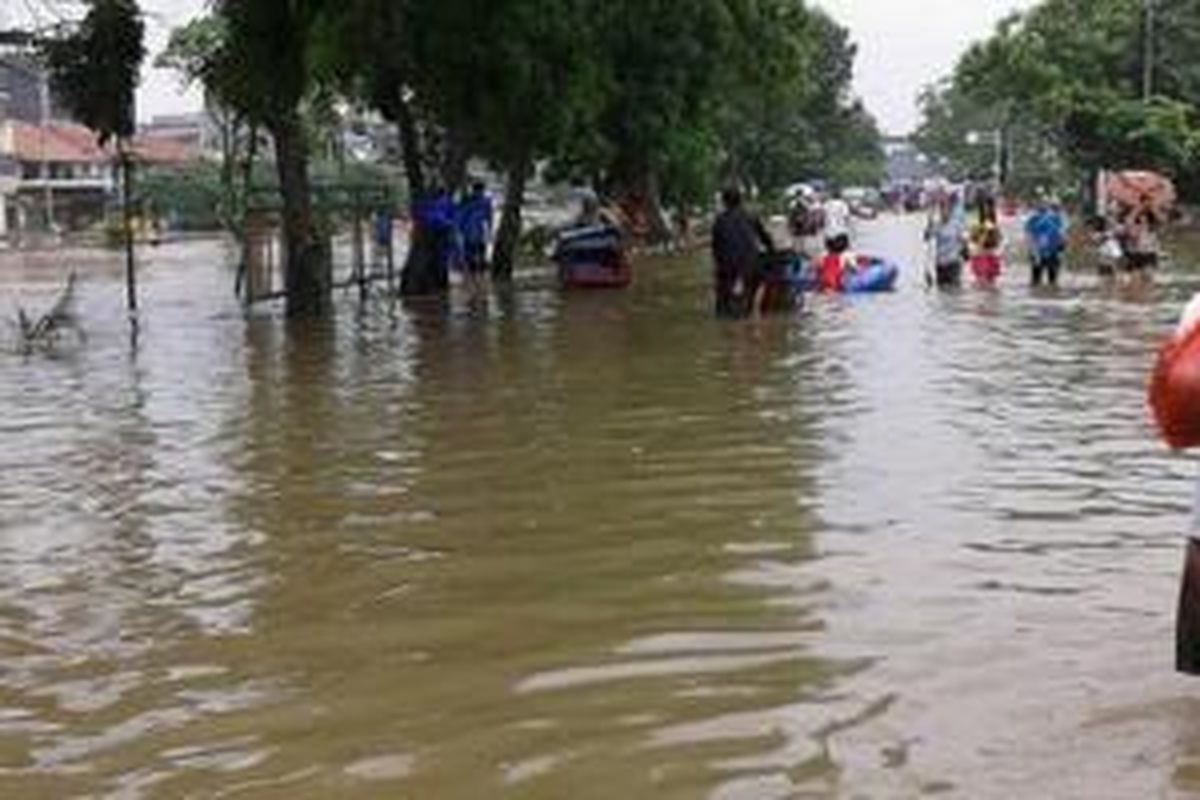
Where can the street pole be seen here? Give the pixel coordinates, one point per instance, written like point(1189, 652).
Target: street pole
point(47, 191)
point(998, 167)
point(1148, 52)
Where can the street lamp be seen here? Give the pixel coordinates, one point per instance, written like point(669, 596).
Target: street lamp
point(994, 138)
point(1148, 50)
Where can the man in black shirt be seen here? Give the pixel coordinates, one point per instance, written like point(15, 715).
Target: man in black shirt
point(739, 241)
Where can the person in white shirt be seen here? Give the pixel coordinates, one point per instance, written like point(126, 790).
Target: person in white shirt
point(837, 224)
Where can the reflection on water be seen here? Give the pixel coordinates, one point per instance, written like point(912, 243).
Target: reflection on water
point(590, 546)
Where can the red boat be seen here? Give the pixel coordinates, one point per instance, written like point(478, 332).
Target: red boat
point(592, 258)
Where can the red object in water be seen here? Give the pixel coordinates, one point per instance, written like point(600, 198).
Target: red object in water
point(610, 271)
point(1175, 390)
point(986, 267)
point(831, 273)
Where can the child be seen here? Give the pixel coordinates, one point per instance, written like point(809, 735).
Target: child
point(986, 245)
point(835, 264)
point(1109, 253)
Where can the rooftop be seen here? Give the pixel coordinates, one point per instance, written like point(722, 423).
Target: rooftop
point(69, 143)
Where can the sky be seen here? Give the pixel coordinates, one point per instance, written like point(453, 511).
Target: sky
point(903, 45)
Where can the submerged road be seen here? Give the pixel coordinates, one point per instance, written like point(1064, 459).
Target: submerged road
point(592, 546)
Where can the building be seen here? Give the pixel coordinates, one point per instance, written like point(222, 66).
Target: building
point(198, 132)
point(906, 165)
point(24, 91)
point(61, 179)
point(54, 175)
point(25, 99)
point(64, 179)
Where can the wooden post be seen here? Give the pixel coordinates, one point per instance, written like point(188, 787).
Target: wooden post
point(391, 251)
point(127, 220)
point(360, 256)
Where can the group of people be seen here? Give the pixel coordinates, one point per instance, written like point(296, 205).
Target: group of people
point(461, 230)
point(979, 245)
point(819, 225)
point(1127, 241)
point(822, 232)
point(754, 276)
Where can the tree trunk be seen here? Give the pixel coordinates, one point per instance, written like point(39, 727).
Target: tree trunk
point(424, 272)
point(640, 199)
point(225, 210)
point(242, 195)
point(508, 235)
point(308, 275)
point(410, 147)
point(454, 166)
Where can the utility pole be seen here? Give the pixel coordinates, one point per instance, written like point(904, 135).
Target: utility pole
point(1148, 49)
point(47, 190)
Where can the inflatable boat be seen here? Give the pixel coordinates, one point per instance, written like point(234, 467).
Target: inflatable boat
point(872, 275)
point(592, 258)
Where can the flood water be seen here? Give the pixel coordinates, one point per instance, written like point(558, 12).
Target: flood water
point(593, 546)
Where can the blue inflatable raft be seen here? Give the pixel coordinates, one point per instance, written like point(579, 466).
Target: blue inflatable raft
point(872, 275)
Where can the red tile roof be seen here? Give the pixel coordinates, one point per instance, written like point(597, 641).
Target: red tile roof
point(56, 143)
point(60, 142)
point(161, 150)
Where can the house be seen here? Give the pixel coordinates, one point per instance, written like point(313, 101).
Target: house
point(198, 132)
point(54, 176)
point(63, 178)
point(906, 164)
point(60, 178)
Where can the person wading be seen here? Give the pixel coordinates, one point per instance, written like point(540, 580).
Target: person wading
point(475, 216)
point(739, 241)
point(1047, 233)
point(948, 234)
point(987, 244)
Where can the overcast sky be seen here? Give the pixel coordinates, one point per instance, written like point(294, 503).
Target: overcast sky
point(903, 45)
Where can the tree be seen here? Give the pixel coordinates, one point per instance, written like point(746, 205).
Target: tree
point(374, 54)
point(516, 88)
point(197, 51)
point(94, 68)
point(663, 64)
point(642, 100)
point(268, 61)
point(1068, 77)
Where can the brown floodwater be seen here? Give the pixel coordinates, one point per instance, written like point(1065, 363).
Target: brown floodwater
point(590, 546)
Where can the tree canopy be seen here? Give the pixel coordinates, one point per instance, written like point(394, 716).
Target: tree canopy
point(95, 65)
point(1069, 79)
point(643, 100)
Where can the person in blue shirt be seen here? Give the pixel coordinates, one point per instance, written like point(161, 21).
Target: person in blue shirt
point(474, 221)
point(1047, 232)
point(435, 214)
